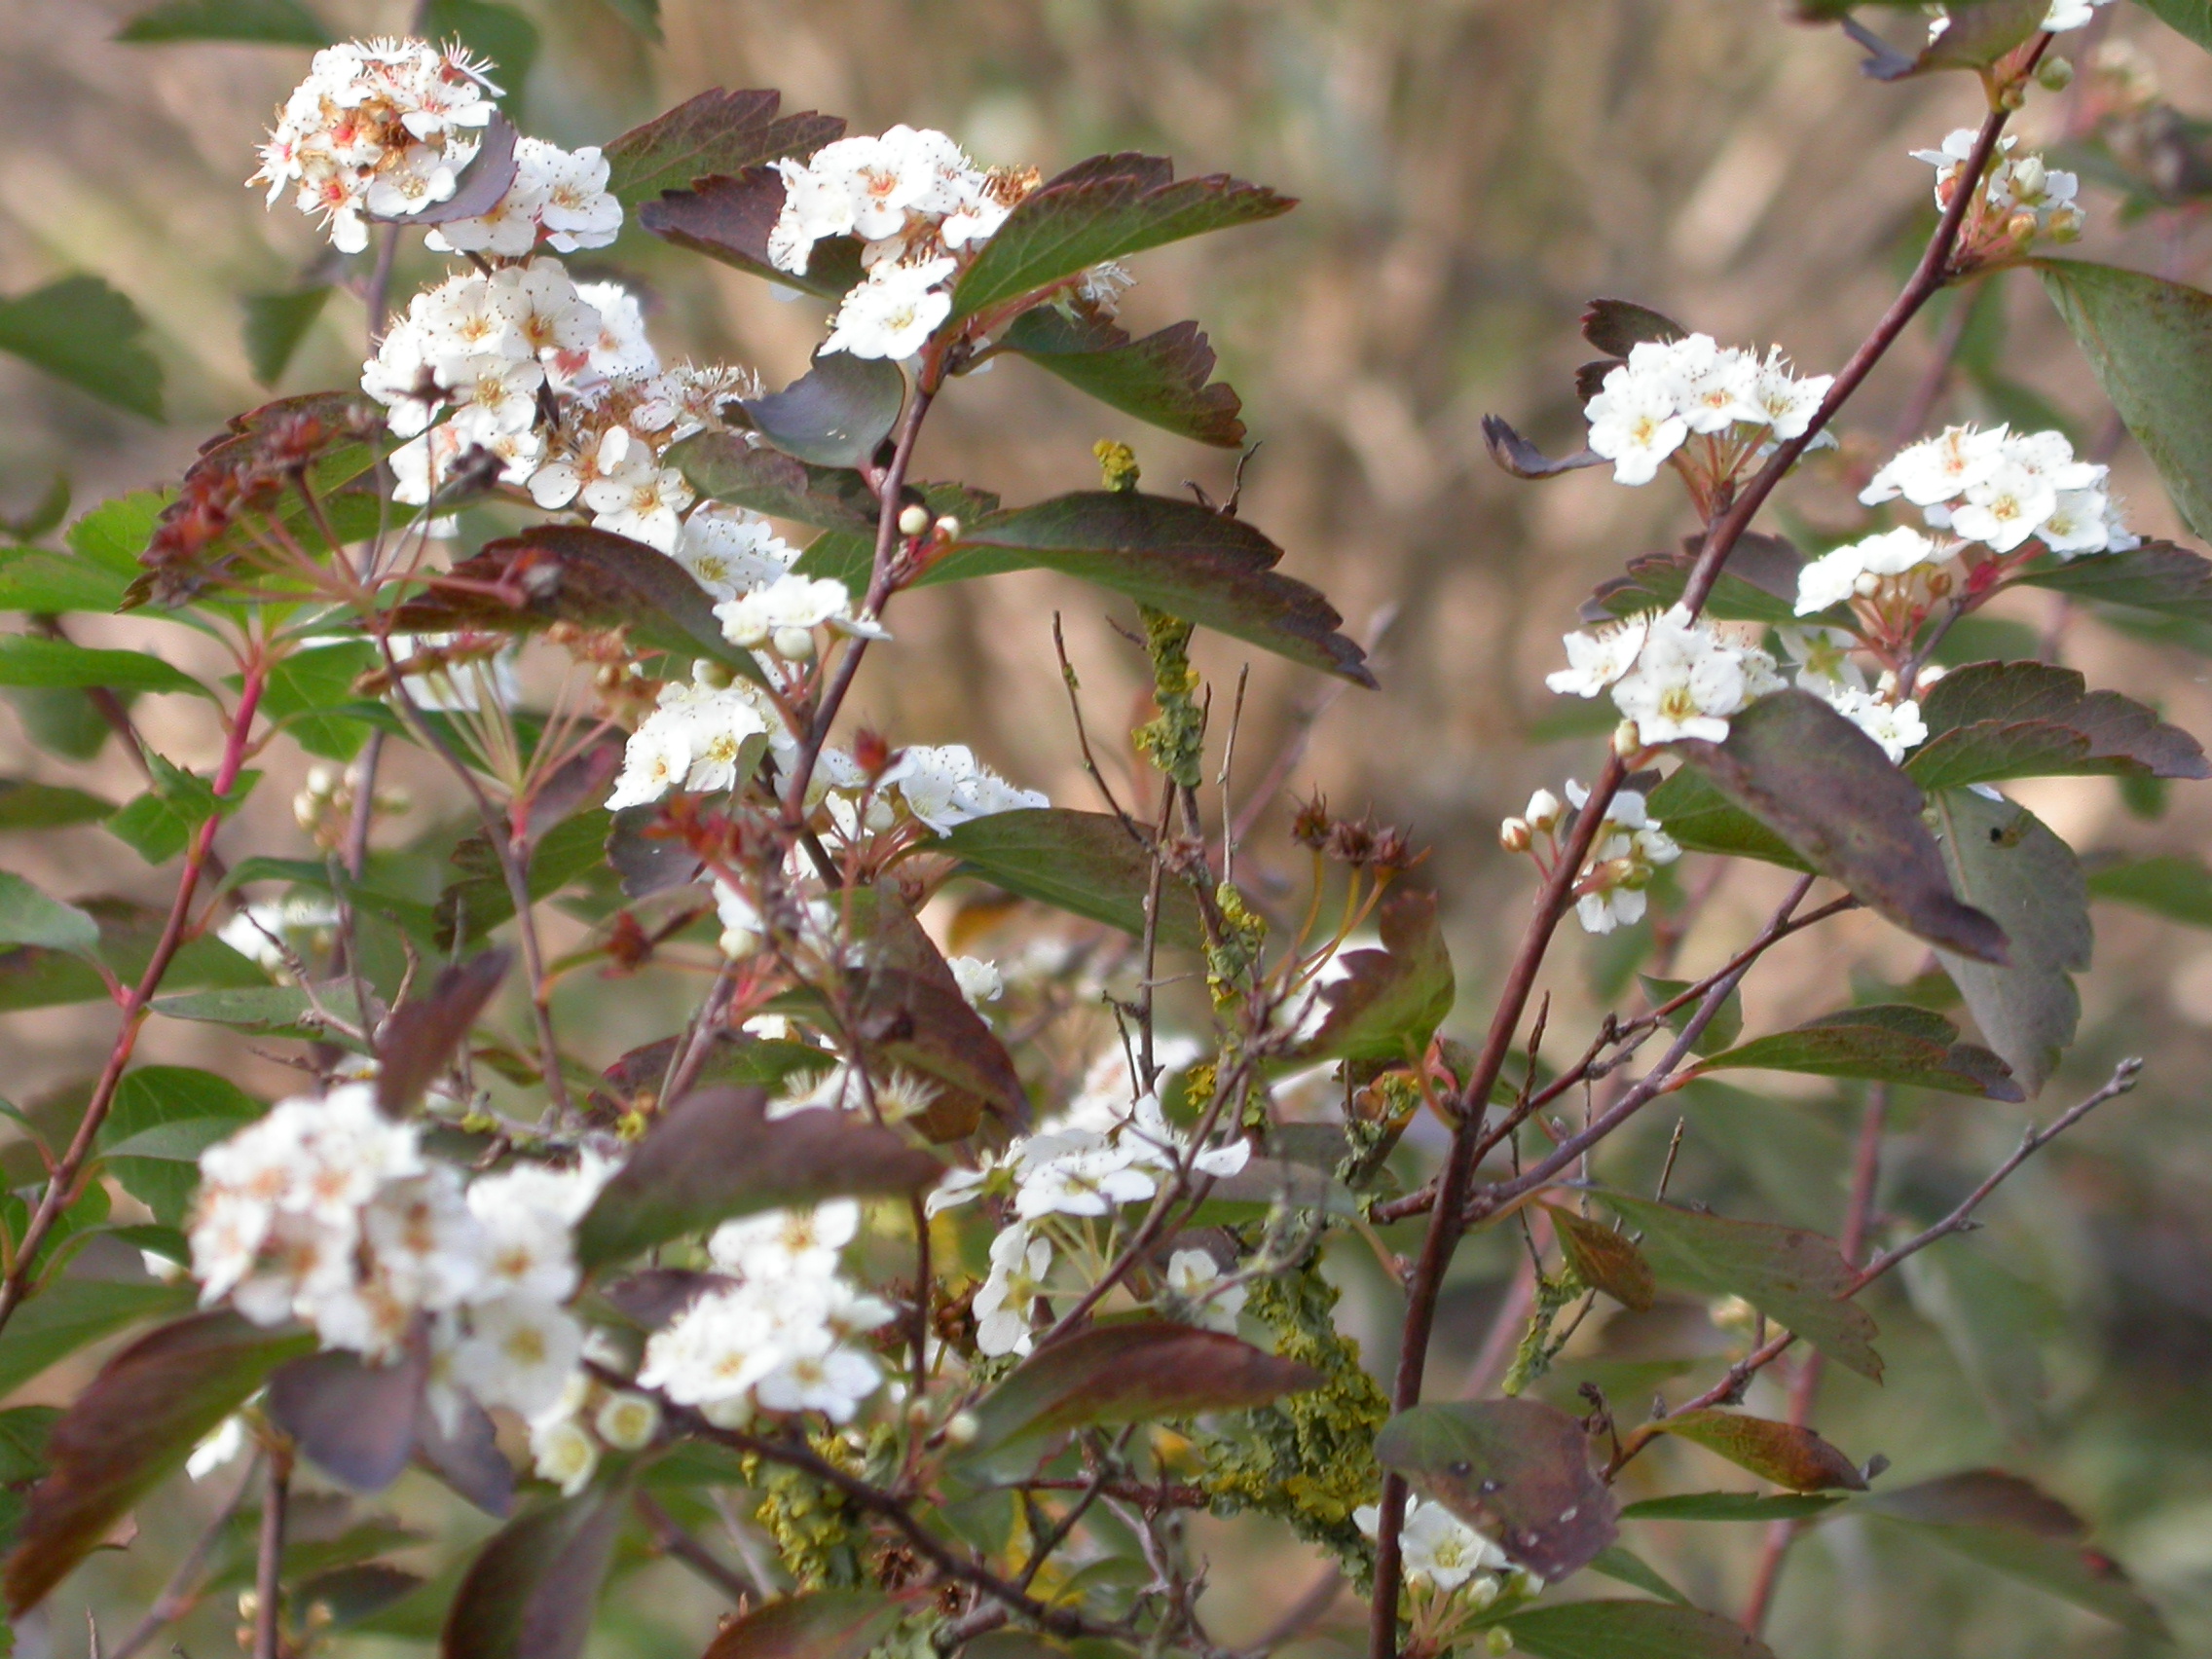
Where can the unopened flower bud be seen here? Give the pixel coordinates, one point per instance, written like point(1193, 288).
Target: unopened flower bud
point(1866, 584)
point(2022, 226)
point(628, 1422)
point(306, 810)
point(737, 943)
point(1625, 738)
point(321, 781)
point(794, 643)
point(913, 520)
point(2013, 97)
point(962, 1428)
point(948, 527)
point(2055, 74)
point(1513, 834)
point(1499, 1640)
point(1928, 676)
point(1542, 812)
point(2065, 224)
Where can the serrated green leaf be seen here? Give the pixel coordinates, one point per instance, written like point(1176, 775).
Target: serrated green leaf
point(1702, 820)
point(834, 415)
point(261, 23)
point(161, 1119)
point(29, 917)
point(32, 977)
point(1161, 379)
point(1107, 207)
point(716, 133)
point(28, 659)
point(157, 823)
point(1758, 583)
point(82, 331)
point(53, 583)
point(275, 326)
point(1884, 1042)
point(1793, 1276)
point(1083, 863)
point(1389, 1002)
point(1604, 1259)
point(727, 466)
point(267, 1009)
point(2005, 863)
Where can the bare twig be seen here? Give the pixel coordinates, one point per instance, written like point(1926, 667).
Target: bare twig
point(1083, 734)
point(179, 1595)
point(269, 1561)
point(673, 1538)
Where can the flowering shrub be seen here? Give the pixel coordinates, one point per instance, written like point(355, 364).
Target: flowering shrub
point(946, 1286)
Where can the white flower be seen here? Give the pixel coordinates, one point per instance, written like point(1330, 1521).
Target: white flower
point(256, 931)
point(1078, 1173)
point(1635, 424)
point(788, 605)
point(655, 760)
point(219, 1447)
point(1939, 469)
point(509, 227)
point(519, 1353)
point(714, 1351)
point(1897, 726)
point(429, 1250)
point(1713, 386)
point(979, 980)
point(945, 786)
point(634, 494)
point(1595, 660)
point(542, 306)
point(1787, 403)
point(561, 1452)
point(1020, 1262)
point(1686, 684)
point(1824, 660)
point(893, 313)
point(1443, 1549)
point(817, 1374)
point(786, 1244)
point(730, 552)
point(1836, 574)
point(2005, 509)
point(1190, 1273)
point(628, 1422)
point(578, 212)
point(527, 1214)
point(621, 346)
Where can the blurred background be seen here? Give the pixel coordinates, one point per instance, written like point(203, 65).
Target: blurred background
point(1471, 172)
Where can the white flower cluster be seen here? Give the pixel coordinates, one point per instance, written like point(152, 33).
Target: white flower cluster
point(380, 128)
point(1673, 675)
point(1439, 1550)
point(326, 1210)
point(1824, 667)
point(2030, 199)
point(1100, 1159)
point(1630, 846)
point(693, 739)
point(781, 616)
point(780, 1339)
point(915, 203)
point(2000, 488)
point(564, 1442)
point(1667, 393)
point(503, 349)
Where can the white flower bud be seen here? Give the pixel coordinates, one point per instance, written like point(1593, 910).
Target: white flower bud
point(913, 520)
point(2065, 224)
point(1499, 1640)
point(948, 527)
point(733, 1413)
point(1513, 836)
point(564, 1454)
point(627, 1421)
point(1866, 584)
point(2029, 177)
point(306, 810)
point(793, 644)
point(322, 781)
point(737, 943)
point(2055, 74)
point(1625, 738)
point(962, 1428)
point(1543, 812)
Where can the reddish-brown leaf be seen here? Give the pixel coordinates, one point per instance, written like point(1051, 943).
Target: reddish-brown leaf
point(1605, 1259)
point(1779, 1451)
point(424, 1032)
point(1518, 1470)
point(820, 1624)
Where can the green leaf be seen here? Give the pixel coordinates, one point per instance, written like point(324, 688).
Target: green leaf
point(478, 901)
point(1604, 1259)
point(308, 691)
point(569, 573)
point(29, 917)
point(1791, 1277)
point(1758, 583)
point(27, 659)
point(33, 976)
point(1732, 1506)
point(82, 331)
point(728, 467)
point(1780, 1451)
point(53, 583)
point(1888, 1043)
point(716, 133)
point(1083, 863)
point(1996, 1325)
point(115, 532)
point(1702, 820)
point(1827, 789)
point(130, 1430)
point(157, 823)
point(275, 326)
point(530, 1592)
point(274, 1011)
point(356, 1419)
point(1722, 1029)
point(72, 1313)
point(2160, 577)
point(1980, 34)
point(642, 15)
point(24, 1434)
point(1172, 554)
point(1516, 1470)
point(1626, 1567)
point(261, 23)
point(163, 1117)
point(2006, 1523)
point(817, 1624)
point(1142, 1371)
point(2193, 17)
point(2175, 887)
point(2030, 719)
point(25, 805)
point(2142, 334)
point(717, 1154)
point(1161, 379)
point(1107, 207)
point(1630, 1630)
point(2004, 862)
point(834, 415)
point(1389, 1002)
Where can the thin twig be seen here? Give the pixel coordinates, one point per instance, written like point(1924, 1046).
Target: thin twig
point(676, 1541)
point(179, 1595)
point(1083, 734)
point(269, 1561)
